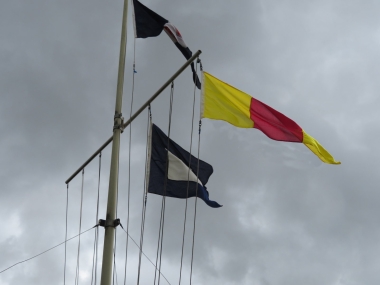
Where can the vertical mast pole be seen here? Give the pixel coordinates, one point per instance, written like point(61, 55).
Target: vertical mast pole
point(109, 235)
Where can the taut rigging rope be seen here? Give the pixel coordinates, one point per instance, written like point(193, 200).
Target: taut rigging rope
point(80, 226)
point(162, 221)
point(188, 176)
point(114, 262)
point(145, 193)
point(47, 250)
point(196, 199)
point(144, 254)
point(129, 157)
point(67, 207)
point(95, 255)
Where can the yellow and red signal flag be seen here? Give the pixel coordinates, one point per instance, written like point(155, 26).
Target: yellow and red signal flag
point(221, 101)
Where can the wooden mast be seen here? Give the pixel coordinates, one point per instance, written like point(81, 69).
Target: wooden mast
point(109, 235)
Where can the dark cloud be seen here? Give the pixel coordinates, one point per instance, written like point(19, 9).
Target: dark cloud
point(287, 218)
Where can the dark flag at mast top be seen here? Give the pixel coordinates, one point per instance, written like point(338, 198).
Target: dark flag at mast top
point(148, 23)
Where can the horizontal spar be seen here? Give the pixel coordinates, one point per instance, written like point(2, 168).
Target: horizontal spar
point(134, 116)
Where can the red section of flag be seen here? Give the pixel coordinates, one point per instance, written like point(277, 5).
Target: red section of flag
point(274, 124)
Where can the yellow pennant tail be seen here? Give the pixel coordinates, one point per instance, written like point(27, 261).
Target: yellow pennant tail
point(318, 149)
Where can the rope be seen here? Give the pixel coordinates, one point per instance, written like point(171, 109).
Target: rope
point(188, 176)
point(97, 219)
point(145, 193)
point(47, 250)
point(166, 179)
point(196, 199)
point(129, 157)
point(158, 242)
point(80, 226)
point(67, 207)
point(114, 262)
point(144, 254)
point(95, 255)
point(163, 197)
point(93, 260)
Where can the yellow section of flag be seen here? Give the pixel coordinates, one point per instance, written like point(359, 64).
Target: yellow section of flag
point(318, 149)
point(221, 101)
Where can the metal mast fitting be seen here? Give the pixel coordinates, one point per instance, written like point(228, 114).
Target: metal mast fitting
point(109, 223)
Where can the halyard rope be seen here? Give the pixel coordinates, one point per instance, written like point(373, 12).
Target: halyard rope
point(188, 176)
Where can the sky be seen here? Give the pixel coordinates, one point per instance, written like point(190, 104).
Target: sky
point(287, 218)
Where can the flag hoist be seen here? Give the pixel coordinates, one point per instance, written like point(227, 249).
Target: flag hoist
point(219, 101)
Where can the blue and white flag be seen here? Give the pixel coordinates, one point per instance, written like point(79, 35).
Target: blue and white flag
point(168, 159)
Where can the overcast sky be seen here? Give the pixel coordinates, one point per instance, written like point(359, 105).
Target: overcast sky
point(287, 218)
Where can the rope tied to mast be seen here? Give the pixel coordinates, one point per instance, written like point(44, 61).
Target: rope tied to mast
point(118, 120)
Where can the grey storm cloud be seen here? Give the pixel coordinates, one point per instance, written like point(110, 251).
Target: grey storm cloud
point(287, 218)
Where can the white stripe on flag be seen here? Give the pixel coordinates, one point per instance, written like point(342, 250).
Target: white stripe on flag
point(179, 171)
point(174, 34)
